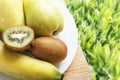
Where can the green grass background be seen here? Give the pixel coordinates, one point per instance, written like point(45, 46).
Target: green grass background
point(98, 24)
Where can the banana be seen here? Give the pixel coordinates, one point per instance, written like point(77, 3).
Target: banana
point(24, 67)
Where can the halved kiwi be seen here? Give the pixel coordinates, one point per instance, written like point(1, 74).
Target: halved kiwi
point(18, 38)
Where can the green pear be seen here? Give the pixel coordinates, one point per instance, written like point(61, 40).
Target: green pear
point(43, 16)
point(11, 13)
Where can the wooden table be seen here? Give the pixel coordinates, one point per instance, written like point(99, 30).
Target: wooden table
point(79, 69)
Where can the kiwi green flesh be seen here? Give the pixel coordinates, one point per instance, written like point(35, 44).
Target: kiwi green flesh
point(18, 37)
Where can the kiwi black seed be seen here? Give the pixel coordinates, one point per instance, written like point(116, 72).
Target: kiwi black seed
point(0, 36)
point(18, 38)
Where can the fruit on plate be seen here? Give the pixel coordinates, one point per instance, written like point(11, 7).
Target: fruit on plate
point(26, 68)
point(18, 38)
point(49, 49)
point(11, 13)
point(43, 16)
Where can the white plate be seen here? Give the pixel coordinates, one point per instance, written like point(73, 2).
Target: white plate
point(68, 35)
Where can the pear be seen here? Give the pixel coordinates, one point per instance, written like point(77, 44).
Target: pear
point(43, 17)
point(11, 14)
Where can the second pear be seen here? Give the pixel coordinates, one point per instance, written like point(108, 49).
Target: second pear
point(11, 14)
point(43, 16)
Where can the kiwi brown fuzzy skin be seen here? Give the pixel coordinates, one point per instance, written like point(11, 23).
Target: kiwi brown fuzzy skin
point(16, 48)
point(27, 47)
point(49, 49)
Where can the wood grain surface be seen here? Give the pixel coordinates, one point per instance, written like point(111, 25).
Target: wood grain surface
point(78, 70)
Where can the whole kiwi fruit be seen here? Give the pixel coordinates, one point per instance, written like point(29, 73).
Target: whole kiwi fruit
point(18, 38)
point(49, 49)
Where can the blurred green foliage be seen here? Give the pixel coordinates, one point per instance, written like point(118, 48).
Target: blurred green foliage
point(98, 24)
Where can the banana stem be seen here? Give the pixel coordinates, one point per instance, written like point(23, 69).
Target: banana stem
point(62, 77)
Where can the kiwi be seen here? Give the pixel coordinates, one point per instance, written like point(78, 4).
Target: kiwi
point(49, 49)
point(18, 38)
